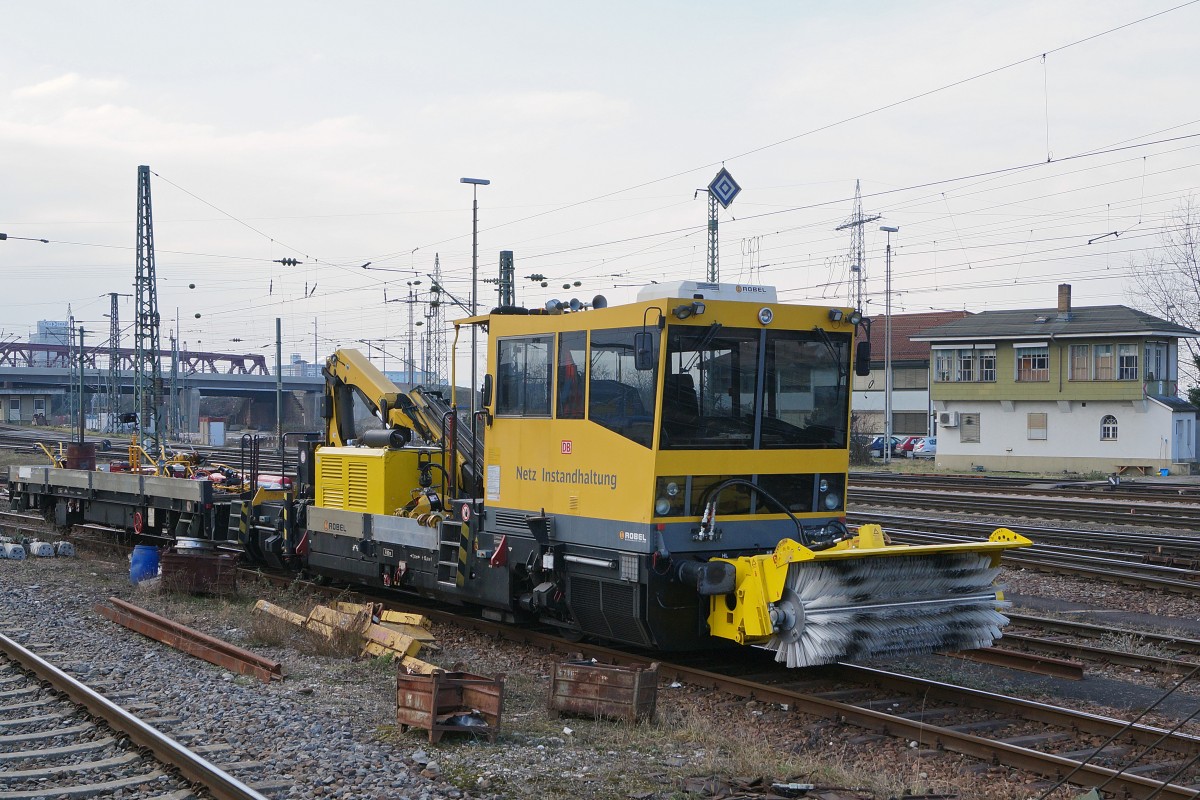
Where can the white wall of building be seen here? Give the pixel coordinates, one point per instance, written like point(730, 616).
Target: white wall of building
point(1073, 437)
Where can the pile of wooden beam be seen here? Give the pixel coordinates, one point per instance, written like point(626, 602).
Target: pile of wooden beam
point(383, 632)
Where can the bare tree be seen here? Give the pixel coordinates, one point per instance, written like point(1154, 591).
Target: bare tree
point(1167, 280)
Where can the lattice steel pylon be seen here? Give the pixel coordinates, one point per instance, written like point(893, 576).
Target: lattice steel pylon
point(435, 330)
point(147, 378)
point(714, 263)
point(857, 256)
point(114, 371)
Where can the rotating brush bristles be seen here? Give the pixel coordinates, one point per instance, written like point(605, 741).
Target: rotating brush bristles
point(886, 606)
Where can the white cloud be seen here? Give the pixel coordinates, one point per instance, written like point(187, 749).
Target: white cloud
point(70, 82)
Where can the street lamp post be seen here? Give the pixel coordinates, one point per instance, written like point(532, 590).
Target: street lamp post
point(887, 347)
point(475, 184)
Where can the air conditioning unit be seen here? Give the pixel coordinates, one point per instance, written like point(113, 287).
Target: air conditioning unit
point(948, 419)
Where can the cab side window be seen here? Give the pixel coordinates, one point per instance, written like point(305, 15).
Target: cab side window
point(572, 374)
point(523, 376)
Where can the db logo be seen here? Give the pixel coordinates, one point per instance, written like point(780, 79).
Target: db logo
point(566, 447)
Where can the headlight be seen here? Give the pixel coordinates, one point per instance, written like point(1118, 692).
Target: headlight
point(833, 501)
point(669, 492)
point(824, 486)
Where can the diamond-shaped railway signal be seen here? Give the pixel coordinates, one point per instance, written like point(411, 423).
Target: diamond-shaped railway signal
point(724, 188)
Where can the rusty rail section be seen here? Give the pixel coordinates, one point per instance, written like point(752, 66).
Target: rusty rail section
point(1026, 662)
point(190, 641)
point(191, 766)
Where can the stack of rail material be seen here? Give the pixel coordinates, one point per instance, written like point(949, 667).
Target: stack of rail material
point(382, 632)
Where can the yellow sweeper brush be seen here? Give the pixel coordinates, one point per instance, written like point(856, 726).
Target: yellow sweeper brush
point(864, 598)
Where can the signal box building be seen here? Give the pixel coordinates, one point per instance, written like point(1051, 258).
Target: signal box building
point(1079, 389)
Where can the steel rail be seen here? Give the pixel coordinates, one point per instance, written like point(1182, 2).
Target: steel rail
point(1084, 651)
point(1092, 631)
point(1066, 490)
point(1054, 560)
point(1113, 512)
point(1154, 546)
point(190, 641)
point(191, 766)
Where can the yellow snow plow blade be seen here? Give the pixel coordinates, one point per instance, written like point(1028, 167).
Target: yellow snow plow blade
point(864, 598)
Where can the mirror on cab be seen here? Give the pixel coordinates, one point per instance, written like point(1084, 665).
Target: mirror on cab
point(862, 359)
point(643, 351)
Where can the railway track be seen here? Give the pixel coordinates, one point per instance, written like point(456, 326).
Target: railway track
point(1172, 516)
point(1129, 569)
point(1174, 549)
point(73, 742)
point(1135, 489)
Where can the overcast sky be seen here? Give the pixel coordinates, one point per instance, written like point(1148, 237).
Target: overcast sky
point(337, 133)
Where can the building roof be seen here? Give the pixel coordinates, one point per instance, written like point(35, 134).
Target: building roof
point(1040, 323)
point(903, 327)
point(1173, 403)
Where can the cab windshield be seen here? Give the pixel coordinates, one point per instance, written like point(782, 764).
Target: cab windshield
point(742, 388)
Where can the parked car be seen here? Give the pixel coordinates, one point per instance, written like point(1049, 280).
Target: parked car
point(906, 445)
point(876, 448)
point(926, 448)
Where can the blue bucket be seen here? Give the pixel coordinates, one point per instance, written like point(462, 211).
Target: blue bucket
point(144, 563)
point(1164, 473)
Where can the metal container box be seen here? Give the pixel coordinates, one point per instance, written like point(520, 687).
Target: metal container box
point(456, 702)
point(604, 690)
point(200, 572)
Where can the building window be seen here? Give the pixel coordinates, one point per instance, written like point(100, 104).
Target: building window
point(966, 366)
point(909, 378)
point(1108, 428)
point(1033, 363)
point(1035, 425)
point(1127, 362)
point(1156, 361)
point(910, 423)
point(1103, 359)
point(944, 365)
point(523, 377)
point(1081, 364)
point(968, 428)
point(987, 366)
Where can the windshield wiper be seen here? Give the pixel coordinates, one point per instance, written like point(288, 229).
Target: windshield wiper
point(704, 342)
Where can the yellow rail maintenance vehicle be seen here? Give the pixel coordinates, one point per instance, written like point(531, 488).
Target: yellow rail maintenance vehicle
point(669, 473)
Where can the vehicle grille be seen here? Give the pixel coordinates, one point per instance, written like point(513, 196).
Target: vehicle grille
point(607, 609)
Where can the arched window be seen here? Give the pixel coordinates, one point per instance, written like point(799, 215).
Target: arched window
point(1108, 428)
